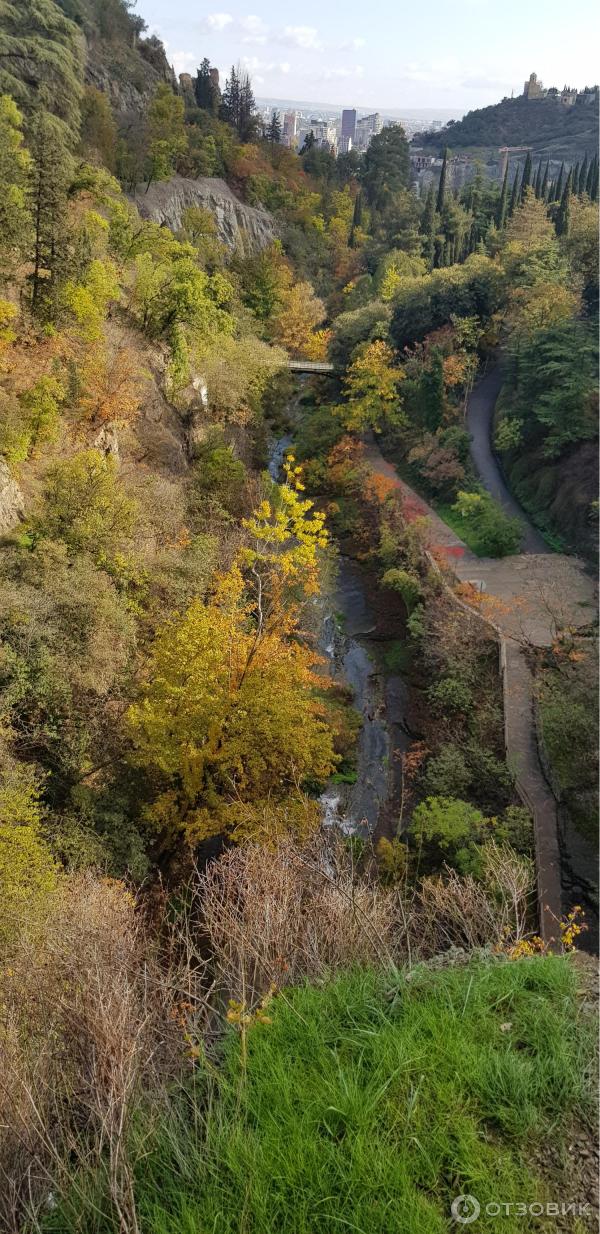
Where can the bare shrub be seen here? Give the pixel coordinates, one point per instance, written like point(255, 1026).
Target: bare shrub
point(89, 1026)
point(288, 914)
point(459, 911)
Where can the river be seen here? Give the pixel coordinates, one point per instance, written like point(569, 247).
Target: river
point(355, 657)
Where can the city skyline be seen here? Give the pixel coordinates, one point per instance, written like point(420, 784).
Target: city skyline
point(398, 60)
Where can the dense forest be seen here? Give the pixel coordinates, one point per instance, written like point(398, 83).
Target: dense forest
point(176, 925)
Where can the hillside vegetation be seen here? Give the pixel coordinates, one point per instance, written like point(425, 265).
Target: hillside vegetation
point(523, 122)
point(186, 952)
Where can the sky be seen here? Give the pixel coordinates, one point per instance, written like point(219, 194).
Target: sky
point(451, 54)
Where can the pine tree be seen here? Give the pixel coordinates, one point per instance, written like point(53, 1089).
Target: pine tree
point(230, 104)
point(274, 129)
point(205, 91)
point(526, 180)
point(442, 184)
point(514, 197)
point(41, 60)
point(50, 176)
point(502, 208)
point(564, 211)
point(247, 122)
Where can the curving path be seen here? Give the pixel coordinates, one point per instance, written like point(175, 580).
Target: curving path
point(527, 598)
point(480, 423)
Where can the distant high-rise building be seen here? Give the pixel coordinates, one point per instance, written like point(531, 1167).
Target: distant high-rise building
point(290, 127)
point(348, 127)
point(366, 128)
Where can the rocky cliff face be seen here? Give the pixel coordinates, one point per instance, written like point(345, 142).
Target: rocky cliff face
point(243, 228)
point(12, 506)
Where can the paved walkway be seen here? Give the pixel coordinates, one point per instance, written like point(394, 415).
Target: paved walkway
point(527, 598)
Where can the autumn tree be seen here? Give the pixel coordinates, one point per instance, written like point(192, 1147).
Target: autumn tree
point(228, 718)
point(372, 387)
point(85, 506)
point(300, 313)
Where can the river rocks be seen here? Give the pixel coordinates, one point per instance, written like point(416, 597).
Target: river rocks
point(242, 228)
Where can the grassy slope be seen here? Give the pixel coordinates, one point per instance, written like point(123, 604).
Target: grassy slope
point(369, 1104)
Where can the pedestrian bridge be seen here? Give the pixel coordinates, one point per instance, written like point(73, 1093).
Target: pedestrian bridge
point(311, 366)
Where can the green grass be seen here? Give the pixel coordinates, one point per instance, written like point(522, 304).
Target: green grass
point(368, 1104)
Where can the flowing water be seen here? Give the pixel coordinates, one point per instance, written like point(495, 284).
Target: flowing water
point(355, 658)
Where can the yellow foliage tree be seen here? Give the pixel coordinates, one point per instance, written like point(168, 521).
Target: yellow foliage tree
point(300, 313)
point(372, 385)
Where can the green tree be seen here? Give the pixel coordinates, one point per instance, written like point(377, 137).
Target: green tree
point(515, 194)
point(564, 210)
point(15, 221)
point(386, 166)
point(274, 130)
point(167, 139)
point(502, 210)
point(50, 177)
point(441, 193)
point(526, 177)
point(41, 61)
point(98, 128)
point(206, 92)
point(85, 506)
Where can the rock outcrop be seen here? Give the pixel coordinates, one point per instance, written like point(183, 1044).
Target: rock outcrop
point(242, 228)
point(12, 505)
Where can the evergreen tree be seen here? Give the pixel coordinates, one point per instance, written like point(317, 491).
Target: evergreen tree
point(594, 180)
point(274, 129)
point(514, 197)
point(230, 103)
point(545, 181)
point(442, 184)
point(205, 91)
point(564, 210)
point(589, 184)
point(386, 166)
point(575, 180)
point(41, 60)
point(502, 208)
point(356, 219)
point(428, 228)
point(14, 167)
point(538, 181)
point(557, 190)
point(50, 176)
point(526, 180)
point(583, 175)
point(247, 123)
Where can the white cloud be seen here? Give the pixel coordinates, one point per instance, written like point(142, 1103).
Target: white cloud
point(357, 71)
point(182, 61)
point(216, 21)
point(255, 66)
point(255, 29)
point(351, 45)
point(306, 37)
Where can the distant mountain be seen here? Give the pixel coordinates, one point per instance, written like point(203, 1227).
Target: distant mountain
point(547, 125)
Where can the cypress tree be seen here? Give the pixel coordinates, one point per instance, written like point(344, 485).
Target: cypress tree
point(590, 178)
point(583, 175)
point(356, 218)
point(558, 185)
point(514, 197)
point(50, 175)
point(502, 209)
point(274, 129)
point(564, 210)
point(428, 228)
point(546, 182)
point(575, 180)
point(594, 181)
point(205, 91)
point(526, 180)
point(538, 181)
point(442, 184)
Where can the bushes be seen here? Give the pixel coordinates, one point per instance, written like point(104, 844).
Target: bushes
point(494, 533)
